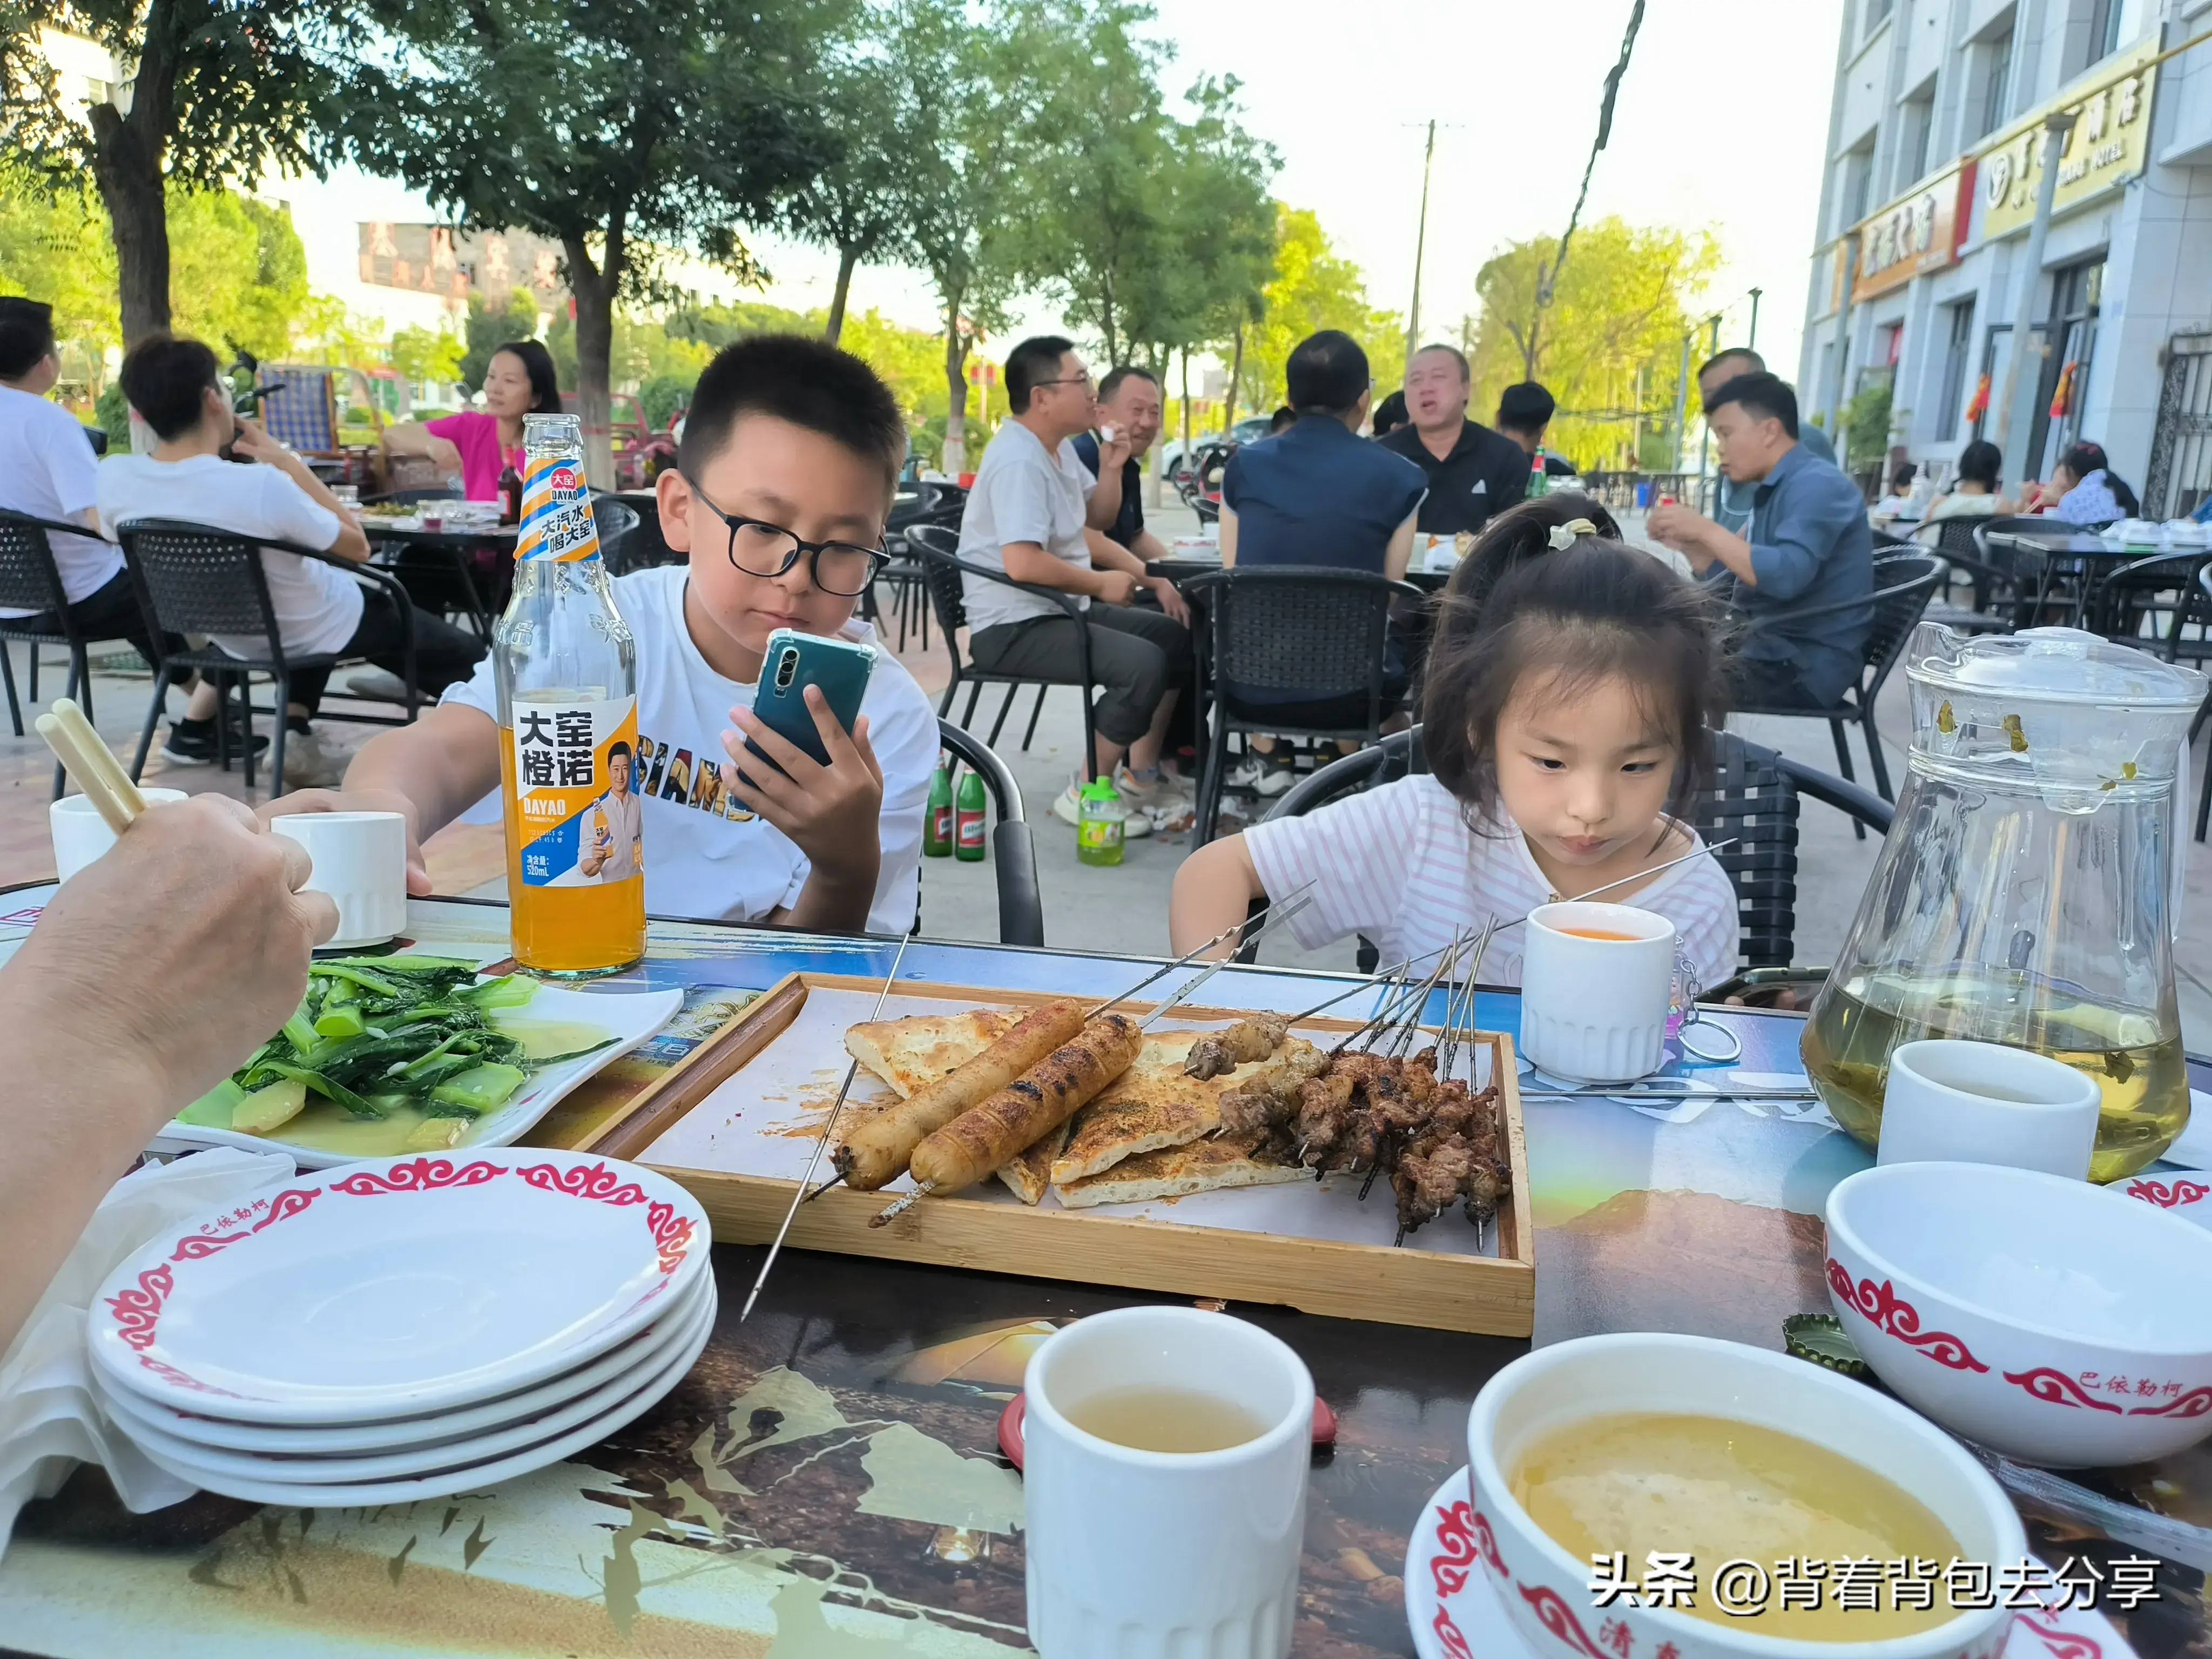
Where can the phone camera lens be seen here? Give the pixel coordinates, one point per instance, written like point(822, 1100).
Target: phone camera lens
point(787, 668)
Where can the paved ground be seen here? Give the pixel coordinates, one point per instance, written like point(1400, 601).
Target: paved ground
point(1122, 908)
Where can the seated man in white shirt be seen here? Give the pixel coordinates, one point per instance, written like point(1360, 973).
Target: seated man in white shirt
point(47, 470)
point(174, 386)
point(784, 477)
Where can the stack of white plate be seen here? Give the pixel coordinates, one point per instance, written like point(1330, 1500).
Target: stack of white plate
point(406, 1328)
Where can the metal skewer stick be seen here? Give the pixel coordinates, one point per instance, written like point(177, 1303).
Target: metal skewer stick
point(813, 1162)
point(1233, 929)
point(1710, 847)
point(906, 1201)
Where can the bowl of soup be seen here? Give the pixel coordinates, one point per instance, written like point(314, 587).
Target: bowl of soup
point(1646, 1494)
point(2044, 1318)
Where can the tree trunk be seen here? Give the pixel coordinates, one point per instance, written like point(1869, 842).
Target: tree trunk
point(955, 459)
point(127, 152)
point(1186, 409)
point(594, 292)
point(847, 257)
point(1236, 374)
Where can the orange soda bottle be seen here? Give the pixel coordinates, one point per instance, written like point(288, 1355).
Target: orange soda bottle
point(566, 668)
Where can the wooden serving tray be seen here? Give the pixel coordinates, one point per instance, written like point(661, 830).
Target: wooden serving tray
point(1436, 1280)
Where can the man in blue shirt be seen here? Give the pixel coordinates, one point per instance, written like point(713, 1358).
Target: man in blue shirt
point(1317, 495)
point(1808, 550)
point(1734, 508)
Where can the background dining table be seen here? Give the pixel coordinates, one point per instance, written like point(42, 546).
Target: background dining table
point(828, 1480)
point(464, 568)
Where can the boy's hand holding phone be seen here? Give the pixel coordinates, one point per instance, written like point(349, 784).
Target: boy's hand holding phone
point(829, 813)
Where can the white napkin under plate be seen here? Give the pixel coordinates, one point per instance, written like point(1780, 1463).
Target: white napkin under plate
point(50, 1421)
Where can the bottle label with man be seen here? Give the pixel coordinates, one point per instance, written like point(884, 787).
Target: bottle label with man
point(577, 813)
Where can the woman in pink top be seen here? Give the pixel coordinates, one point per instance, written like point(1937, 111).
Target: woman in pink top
point(479, 444)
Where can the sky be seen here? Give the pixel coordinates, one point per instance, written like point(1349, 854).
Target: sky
point(1720, 125)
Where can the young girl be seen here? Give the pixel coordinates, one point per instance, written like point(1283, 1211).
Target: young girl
point(1564, 725)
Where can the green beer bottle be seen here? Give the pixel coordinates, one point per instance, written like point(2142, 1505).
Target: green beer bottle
point(968, 820)
point(937, 818)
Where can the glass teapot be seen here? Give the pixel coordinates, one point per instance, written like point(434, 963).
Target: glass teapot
point(2025, 893)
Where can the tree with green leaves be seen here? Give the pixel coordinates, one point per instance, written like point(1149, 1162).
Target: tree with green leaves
point(490, 327)
point(858, 204)
point(610, 130)
point(1313, 287)
point(217, 94)
point(962, 86)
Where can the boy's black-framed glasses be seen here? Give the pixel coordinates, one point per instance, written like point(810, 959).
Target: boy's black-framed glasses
point(760, 549)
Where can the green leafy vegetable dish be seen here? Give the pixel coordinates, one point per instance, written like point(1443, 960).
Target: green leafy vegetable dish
point(385, 1055)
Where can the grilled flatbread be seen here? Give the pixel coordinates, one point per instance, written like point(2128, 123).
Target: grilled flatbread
point(1031, 1173)
point(919, 1048)
point(1203, 1166)
point(1155, 1104)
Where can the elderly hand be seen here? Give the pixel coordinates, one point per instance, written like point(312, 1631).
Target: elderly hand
point(175, 954)
point(1172, 603)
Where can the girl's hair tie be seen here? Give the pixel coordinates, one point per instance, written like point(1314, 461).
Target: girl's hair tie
point(1562, 535)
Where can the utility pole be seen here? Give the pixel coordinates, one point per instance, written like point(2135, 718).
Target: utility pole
point(1420, 246)
point(2017, 423)
point(1681, 402)
point(1753, 343)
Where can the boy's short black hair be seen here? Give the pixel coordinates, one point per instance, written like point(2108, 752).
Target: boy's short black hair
point(1031, 364)
point(805, 381)
point(1760, 395)
point(1326, 374)
point(1527, 407)
point(26, 335)
point(164, 377)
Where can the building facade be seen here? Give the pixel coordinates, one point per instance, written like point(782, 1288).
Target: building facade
point(1935, 146)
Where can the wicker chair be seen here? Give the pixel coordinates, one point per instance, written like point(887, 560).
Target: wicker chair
point(1013, 856)
point(1317, 631)
point(193, 579)
point(30, 581)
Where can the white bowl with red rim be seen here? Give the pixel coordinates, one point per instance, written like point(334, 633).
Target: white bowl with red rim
point(1546, 1592)
point(2185, 1193)
point(2031, 1314)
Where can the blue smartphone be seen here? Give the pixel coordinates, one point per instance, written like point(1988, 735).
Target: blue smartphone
point(795, 661)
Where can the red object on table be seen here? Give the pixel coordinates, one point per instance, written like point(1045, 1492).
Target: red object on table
point(1010, 1427)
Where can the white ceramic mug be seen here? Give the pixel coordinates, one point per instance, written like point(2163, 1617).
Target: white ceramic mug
point(1594, 1009)
point(360, 862)
point(80, 834)
point(1948, 1101)
point(1139, 1554)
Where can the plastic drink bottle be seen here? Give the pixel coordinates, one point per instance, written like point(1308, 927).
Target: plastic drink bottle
point(936, 818)
point(566, 668)
point(968, 820)
point(1099, 816)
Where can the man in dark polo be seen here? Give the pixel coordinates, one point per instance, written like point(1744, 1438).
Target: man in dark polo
point(1472, 472)
point(1126, 420)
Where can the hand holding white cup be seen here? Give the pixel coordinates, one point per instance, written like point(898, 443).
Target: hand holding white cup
point(82, 835)
point(360, 862)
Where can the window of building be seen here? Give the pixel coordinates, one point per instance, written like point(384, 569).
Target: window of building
point(1915, 132)
point(2103, 36)
point(1858, 183)
point(1877, 14)
point(1957, 352)
point(1996, 79)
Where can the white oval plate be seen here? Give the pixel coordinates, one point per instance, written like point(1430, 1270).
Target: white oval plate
point(1455, 1612)
point(398, 1287)
point(627, 1018)
point(425, 1456)
point(639, 1356)
point(474, 1477)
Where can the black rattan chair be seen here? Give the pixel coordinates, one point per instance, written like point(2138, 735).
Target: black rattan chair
point(1993, 607)
point(1318, 631)
point(1903, 584)
point(616, 522)
point(30, 581)
point(194, 579)
point(2160, 591)
point(1013, 856)
point(944, 570)
point(931, 505)
point(1752, 798)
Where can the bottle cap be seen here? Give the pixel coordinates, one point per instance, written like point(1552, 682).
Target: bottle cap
point(1819, 1340)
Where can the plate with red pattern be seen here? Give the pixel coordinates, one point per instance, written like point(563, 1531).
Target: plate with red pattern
point(1455, 1614)
point(2186, 1193)
point(398, 1286)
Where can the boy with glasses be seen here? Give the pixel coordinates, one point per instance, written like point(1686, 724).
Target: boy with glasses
point(782, 483)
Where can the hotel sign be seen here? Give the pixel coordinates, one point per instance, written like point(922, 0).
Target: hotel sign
point(1919, 231)
point(2109, 144)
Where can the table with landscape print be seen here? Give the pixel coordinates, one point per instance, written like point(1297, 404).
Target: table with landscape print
point(826, 1480)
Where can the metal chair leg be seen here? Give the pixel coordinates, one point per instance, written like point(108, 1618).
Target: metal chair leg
point(1036, 709)
point(1005, 705)
point(153, 718)
point(7, 673)
point(945, 701)
point(283, 703)
point(1875, 757)
point(2204, 798)
point(1844, 765)
point(968, 715)
point(34, 671)
point(1213, 750)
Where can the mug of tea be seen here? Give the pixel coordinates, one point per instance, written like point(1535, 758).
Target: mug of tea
point(1949, 1101)
point(1597, 986)
point(360, 859)
point(80, 834)
point(1164, 1477)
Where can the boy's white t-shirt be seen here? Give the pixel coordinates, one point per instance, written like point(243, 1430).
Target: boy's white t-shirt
point(46, 469)
point(1399, 865)
point(705, 854)
point(318, 606)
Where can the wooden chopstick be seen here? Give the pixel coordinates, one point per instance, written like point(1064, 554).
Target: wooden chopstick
point(89, 760)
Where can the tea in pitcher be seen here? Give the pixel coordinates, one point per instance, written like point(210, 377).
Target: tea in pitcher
point(2135, 1058)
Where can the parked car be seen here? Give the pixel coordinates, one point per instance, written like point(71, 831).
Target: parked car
point(1247, 430)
